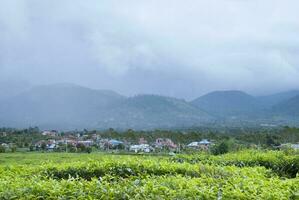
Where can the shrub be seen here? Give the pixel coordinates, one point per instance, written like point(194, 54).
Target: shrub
point(220, 148)
point(2, 149)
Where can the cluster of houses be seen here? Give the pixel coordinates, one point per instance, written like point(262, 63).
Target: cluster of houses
point(159, 144)
point(52, 133)
point(56, 141)
point(203, 144)
point(106, 144)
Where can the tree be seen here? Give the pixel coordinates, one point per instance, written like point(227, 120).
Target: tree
point(221, 148)
point(72, 148)
point(31, 147)
point(81, 147)
point(2, 149)
point(89, 149)
point(13, 148)
point(43, 146)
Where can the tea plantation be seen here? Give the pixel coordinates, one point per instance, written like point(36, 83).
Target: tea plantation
point(249, 174)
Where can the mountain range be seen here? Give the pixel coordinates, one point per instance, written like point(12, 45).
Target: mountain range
point(69, 106)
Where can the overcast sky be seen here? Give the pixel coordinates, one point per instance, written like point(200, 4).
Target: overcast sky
point(181, 48)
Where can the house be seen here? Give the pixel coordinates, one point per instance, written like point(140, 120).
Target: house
point(115, 143)
point(51, 147)
point(193, 145)
point(46, 144)
point(142, 141)
point(40, 143)
point(102, 143)
point(67, 141)
point(5, 145)
point(86, 143)
point(141, 147)
point(203, 144)
point(95, 137)
point(165, 143)
point(159, 142)
point(52, 133)
point(51, 142)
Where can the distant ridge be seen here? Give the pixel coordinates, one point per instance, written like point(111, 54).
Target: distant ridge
point(70, 106)
point(228, 103)
point(288, 108)
point(158, 111)
point(271, 100)
point(61, 105)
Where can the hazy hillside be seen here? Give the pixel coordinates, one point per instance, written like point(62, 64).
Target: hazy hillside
point(71, 106)
point(12, 88)
point(271, 100)
point(62, 105)
point(228, 104)
point(288, 108)
point(151, 111)
point(68, 106)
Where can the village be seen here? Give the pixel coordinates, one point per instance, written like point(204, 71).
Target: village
point(130, 141)
point(82, 143)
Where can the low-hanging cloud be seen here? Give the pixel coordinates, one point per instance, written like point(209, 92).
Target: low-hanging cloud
point(171, 47)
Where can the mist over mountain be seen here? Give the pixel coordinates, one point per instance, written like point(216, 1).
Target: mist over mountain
point(288, 108)
point(177, 49)
point(61, 105)
point(153, 111)
point(271, 100)
point(228, 104)
point(70, 106)
point(12, 88)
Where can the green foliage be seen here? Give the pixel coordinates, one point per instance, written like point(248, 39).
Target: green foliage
point(88, 149)
point(32, 147)
point(13, 148)
point(72, 149)
point(243, 137)
point(241, 175)
point(2, 149)
point(43, 146)
point(221, 148)
point(282, 163)
point(81, 147)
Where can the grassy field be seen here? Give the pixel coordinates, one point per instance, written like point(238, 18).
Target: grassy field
point(242, 175)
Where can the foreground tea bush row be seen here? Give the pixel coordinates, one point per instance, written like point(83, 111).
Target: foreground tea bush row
point(129, 168)
point(150, 187)
point(277, 161)
point(143, 177)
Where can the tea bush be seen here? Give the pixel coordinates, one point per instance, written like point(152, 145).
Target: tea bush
point(243, 175)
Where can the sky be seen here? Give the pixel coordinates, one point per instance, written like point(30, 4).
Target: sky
point(171, 47)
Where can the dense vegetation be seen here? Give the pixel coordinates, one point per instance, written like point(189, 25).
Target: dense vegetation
point(244, 175)
point(236, 137)
point(243, 163)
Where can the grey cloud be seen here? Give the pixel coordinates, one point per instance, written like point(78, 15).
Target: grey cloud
point(171, 47)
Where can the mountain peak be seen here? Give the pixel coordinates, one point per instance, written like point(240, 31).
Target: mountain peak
point(227, 103)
